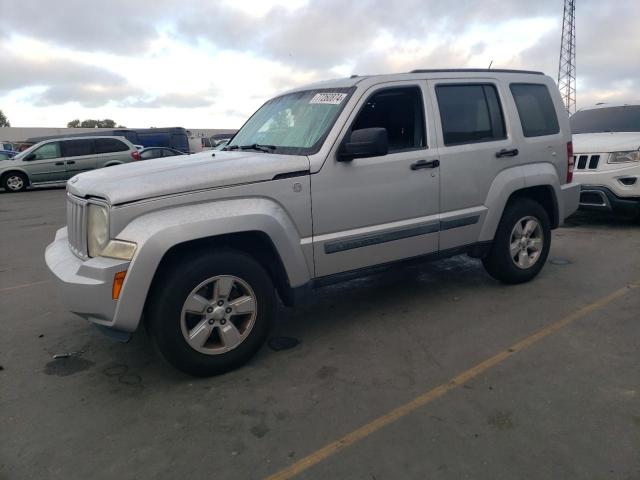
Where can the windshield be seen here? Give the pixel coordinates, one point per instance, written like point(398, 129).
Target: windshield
point(612, 119)
point(26, 152)
point(296, 123)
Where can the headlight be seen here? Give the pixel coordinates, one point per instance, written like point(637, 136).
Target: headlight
point(119, 249)
point(97, 229)
point(624, 157)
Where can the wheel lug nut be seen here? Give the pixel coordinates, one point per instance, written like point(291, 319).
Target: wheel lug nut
point(223, 321)
point(220, 303)
point(211, 321)
point(228, 310)
point(210, 309)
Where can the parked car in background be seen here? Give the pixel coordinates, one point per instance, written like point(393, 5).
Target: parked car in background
point(158, 152)
point(606, 143)
point(55, 161)
point(8, 146)
point(221, 144)
point(7, 154)
point(206, 143)
point(173, 137)
point(416, 166)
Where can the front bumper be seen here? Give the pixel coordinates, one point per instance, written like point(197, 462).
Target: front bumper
point(84, 286)
point(596, 197)
point(621, 179)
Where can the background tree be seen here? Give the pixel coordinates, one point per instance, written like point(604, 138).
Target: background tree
point(90, 123)
point(4, 121)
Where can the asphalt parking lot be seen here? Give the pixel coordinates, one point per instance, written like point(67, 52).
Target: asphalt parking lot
point(546, 376)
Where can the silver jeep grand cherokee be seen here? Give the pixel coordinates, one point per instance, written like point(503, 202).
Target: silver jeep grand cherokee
point(322, 183)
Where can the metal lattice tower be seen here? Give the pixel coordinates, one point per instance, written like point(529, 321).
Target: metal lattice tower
point(567, 66)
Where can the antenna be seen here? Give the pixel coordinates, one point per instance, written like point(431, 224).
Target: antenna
point(567, 65)
point(490, 63)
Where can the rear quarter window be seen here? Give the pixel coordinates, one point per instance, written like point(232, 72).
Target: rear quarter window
point(535, 109)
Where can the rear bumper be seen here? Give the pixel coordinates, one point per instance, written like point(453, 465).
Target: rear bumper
point(602, 198)
point(570, 200)
point(84, 286)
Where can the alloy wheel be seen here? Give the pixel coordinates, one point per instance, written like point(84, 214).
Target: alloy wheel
point(526, 242)
point(218, 314)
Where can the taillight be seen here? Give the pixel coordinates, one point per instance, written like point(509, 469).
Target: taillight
point(570, 162)
point(135, 155)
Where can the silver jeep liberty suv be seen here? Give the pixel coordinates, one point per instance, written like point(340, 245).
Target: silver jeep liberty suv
point(322, 183)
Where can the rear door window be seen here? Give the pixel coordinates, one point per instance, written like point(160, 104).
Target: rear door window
point(77, 148)
point(535, 109)
point(470, 113)
point(110, 145)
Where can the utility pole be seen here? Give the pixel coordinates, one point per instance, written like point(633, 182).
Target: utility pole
point(567, 65)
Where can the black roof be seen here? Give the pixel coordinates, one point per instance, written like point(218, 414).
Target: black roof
point(483, 70)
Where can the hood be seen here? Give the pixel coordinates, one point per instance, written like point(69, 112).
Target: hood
point(165, 176)
point(606, 142)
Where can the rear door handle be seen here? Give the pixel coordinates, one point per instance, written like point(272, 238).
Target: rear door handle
point(71, 162)
point(507, 153)
point(425, 164)
point(59, 163)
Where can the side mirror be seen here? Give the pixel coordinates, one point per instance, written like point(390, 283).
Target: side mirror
point(366, 142)
point(30, 157)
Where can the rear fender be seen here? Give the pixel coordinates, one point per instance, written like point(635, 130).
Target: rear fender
point(510, 181)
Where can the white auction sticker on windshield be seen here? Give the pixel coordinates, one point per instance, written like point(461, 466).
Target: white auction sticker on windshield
point(328, 98)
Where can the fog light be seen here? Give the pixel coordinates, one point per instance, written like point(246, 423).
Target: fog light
point(118, 280)
point(628, 181)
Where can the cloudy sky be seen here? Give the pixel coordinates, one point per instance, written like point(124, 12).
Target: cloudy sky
point(211, 63)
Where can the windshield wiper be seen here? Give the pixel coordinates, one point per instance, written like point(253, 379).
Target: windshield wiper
point(259, 147)
point(253, 146)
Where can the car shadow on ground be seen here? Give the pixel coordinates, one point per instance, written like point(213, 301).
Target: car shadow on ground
point(35, 189)
point(595, 219)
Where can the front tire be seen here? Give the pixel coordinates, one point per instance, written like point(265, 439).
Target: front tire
point(211, 312)
point(521, 244)
point(15, 182)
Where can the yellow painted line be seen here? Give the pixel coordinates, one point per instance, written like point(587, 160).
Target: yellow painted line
point(404, 410)
point(16, 287)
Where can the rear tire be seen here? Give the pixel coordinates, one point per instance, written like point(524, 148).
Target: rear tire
point(211, 312)
point(521, 244)
point(15, 182)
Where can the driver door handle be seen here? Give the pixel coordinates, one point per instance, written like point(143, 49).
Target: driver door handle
point(59, 163)
point(425, 164)
point(507, 153)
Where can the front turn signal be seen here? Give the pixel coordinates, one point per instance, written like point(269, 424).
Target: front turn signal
point(118, 280)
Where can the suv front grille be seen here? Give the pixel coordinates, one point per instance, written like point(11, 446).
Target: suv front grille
point(77, 225)
point(582, 162)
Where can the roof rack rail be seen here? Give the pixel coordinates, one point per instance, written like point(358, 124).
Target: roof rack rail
point(484, 70)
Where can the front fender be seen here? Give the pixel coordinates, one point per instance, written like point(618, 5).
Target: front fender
point(15, 169)
point(156, 232)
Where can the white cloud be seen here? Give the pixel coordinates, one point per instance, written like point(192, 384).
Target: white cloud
point(203, 63)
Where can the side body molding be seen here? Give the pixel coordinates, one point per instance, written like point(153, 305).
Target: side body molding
point(511, 180)
point(156, 232)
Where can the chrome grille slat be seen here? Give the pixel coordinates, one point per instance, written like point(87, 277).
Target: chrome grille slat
point(586, 162)
point(76, 225)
